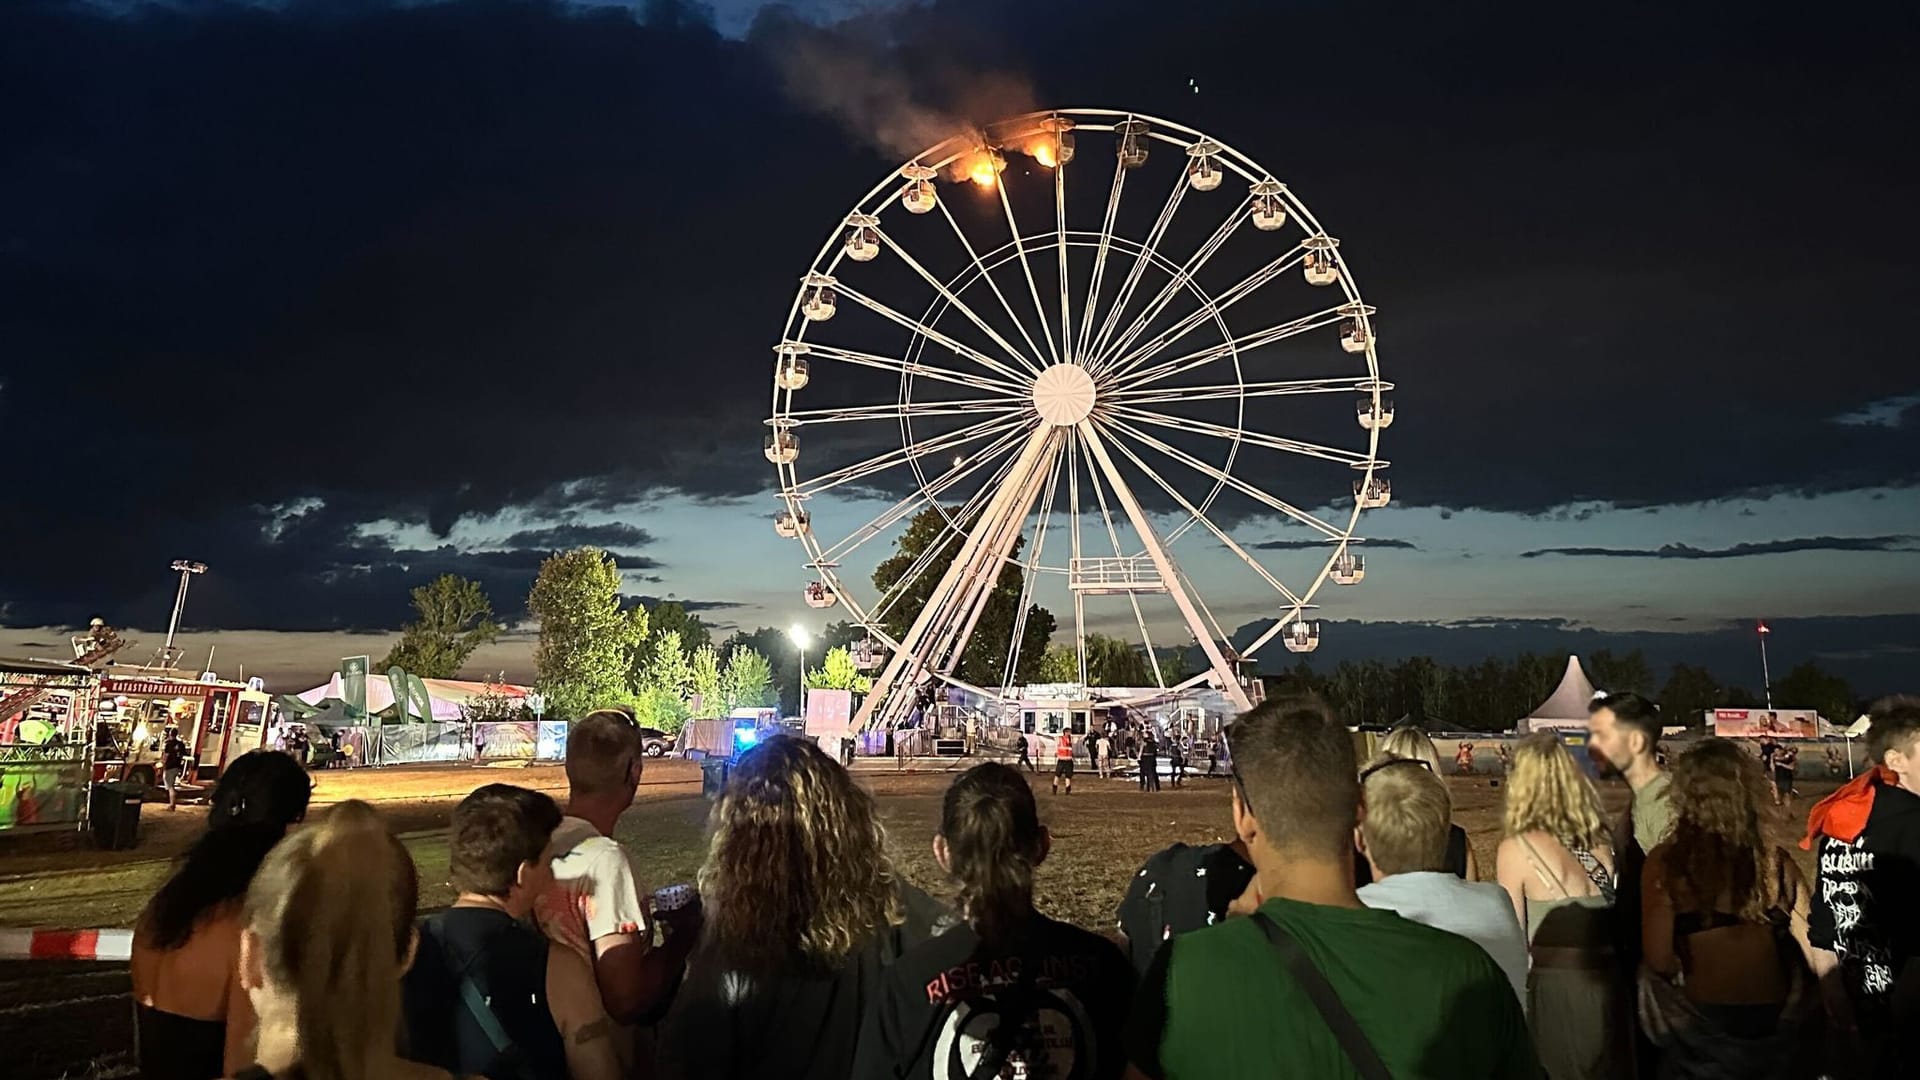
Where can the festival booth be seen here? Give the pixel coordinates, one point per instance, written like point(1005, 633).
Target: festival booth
point(44, 766)
point(429, 726)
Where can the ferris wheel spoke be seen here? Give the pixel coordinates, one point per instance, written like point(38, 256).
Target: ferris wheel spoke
point(1113, 537)
point(887, 518)
point(954, 301)
point(1229, 479)
point(1131, 282)
point(1241, 343)
point(917, 369)
point(1208, 524)
point(1060, 247)
point(1034, 360)
point(895, 410)
point(937, 547)
point(1133, 395)
point(1250, 438)
point(931, 334)
point(1026, 267)
point(1182, 278)
point(1031, 572)
point(1240, 290)
point(892, 458)
point(1101, 248)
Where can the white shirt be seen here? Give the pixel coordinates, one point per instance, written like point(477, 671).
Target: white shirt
point(1479, 911)
point(595, 891)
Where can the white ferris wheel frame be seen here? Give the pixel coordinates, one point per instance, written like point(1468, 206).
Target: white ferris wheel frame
point(1031, 449)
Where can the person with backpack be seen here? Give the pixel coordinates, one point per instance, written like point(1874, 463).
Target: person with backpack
point(1313, 983)
point(1008, 991)
point(487, 994)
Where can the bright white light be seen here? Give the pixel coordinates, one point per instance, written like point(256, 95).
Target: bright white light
point(799, 635)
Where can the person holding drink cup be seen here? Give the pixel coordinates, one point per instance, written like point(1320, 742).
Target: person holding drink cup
point(596, 905)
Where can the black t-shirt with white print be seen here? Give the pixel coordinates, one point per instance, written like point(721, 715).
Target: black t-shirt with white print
point(947, 1003)
point(1865, 903)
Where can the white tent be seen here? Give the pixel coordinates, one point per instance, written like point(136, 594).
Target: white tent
point(1566, 707)
point(448, 695)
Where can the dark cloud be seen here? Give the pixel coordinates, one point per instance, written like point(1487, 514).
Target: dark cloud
point(691, 605)
point(1739, 551)
point(613, 537)
point(1305, 545)
point(421, 261)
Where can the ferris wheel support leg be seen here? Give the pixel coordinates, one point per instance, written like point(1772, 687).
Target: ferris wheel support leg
point(1163, 564)
point(994, 556)
point(931, 635)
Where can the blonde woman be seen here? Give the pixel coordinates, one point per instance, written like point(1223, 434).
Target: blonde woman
point(803, 911)
point(328, 932)
point(1556, 863)
point(1410, 743)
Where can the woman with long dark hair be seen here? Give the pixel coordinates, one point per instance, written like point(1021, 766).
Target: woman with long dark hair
point(192, 1018)
point(803, 909)
point(1726, 984)
point(1008, 987)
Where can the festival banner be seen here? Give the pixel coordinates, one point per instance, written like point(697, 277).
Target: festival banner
point(42, 787)
point(1753, 723)
point(506, 740)
point(551, 742)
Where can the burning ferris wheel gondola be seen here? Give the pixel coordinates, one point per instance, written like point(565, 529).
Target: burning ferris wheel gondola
point(1079, 379)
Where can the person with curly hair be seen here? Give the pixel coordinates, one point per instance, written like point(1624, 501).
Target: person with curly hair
point(1724, 986)
point(1556, 864)
point(803, 912)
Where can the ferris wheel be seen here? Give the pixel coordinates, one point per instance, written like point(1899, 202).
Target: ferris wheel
point(1082, 339)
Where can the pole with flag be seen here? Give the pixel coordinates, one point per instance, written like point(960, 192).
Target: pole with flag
point(1766, 677)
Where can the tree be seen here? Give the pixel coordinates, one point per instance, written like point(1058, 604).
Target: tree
point(672, 616)
point(983, 662)
point(492, 704)
point(452, 618)
point(587, 640)
point(1810, 687)
point(708, 681)
point(1615, 674)
point(838, 672)
point(1689, 692)
point(1173, 666)
point(1059, 664)
point(1113, 662)
point(748, 680)
point(782, 658)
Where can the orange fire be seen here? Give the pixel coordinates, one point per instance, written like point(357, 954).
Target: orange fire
point(983, 167)
point(1042, 151)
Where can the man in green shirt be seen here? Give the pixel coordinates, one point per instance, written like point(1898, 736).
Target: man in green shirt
point(1221, 1002)
point(1623, 738)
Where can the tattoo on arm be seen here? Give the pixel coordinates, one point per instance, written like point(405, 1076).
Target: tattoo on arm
point(587, 1033)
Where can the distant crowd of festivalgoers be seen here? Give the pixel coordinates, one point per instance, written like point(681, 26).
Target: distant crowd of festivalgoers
point(1347, 930)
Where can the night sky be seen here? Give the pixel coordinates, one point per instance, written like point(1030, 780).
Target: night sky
point(338, 296)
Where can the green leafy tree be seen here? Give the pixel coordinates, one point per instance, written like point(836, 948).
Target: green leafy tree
point(492, 704)
point(1114, 662)
point(1059, 664)
point(708, 679)
point(587, 639)
point(1173, 666)
point(452, 618)
point(1617, 673)
point(1808, 686)
point(782, 657)
point(1687, 695)
point(837, 672)
point(984, 660)
point(671, 616)
point(748, 680)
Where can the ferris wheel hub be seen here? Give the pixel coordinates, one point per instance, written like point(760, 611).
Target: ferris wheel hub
point(1063, 395)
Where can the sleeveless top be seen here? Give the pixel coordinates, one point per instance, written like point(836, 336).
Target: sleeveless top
point(170, 1046)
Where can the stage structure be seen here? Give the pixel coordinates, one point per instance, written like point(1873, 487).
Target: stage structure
point(1080, 337)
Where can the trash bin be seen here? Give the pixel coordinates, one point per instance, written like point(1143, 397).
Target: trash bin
point(713, 777)
point(113, 809)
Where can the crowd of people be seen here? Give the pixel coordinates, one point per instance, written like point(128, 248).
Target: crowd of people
point(1345, 930)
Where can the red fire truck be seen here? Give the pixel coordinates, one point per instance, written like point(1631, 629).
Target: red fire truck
point(218, 720)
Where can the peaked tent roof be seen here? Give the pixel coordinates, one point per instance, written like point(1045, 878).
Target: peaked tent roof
point(1569, 700)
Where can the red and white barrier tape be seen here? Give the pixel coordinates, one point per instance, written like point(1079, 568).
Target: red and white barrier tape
point(66, 944)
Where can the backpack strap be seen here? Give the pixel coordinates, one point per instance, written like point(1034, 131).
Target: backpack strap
point(1345, 1029)
point(475, 1002)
